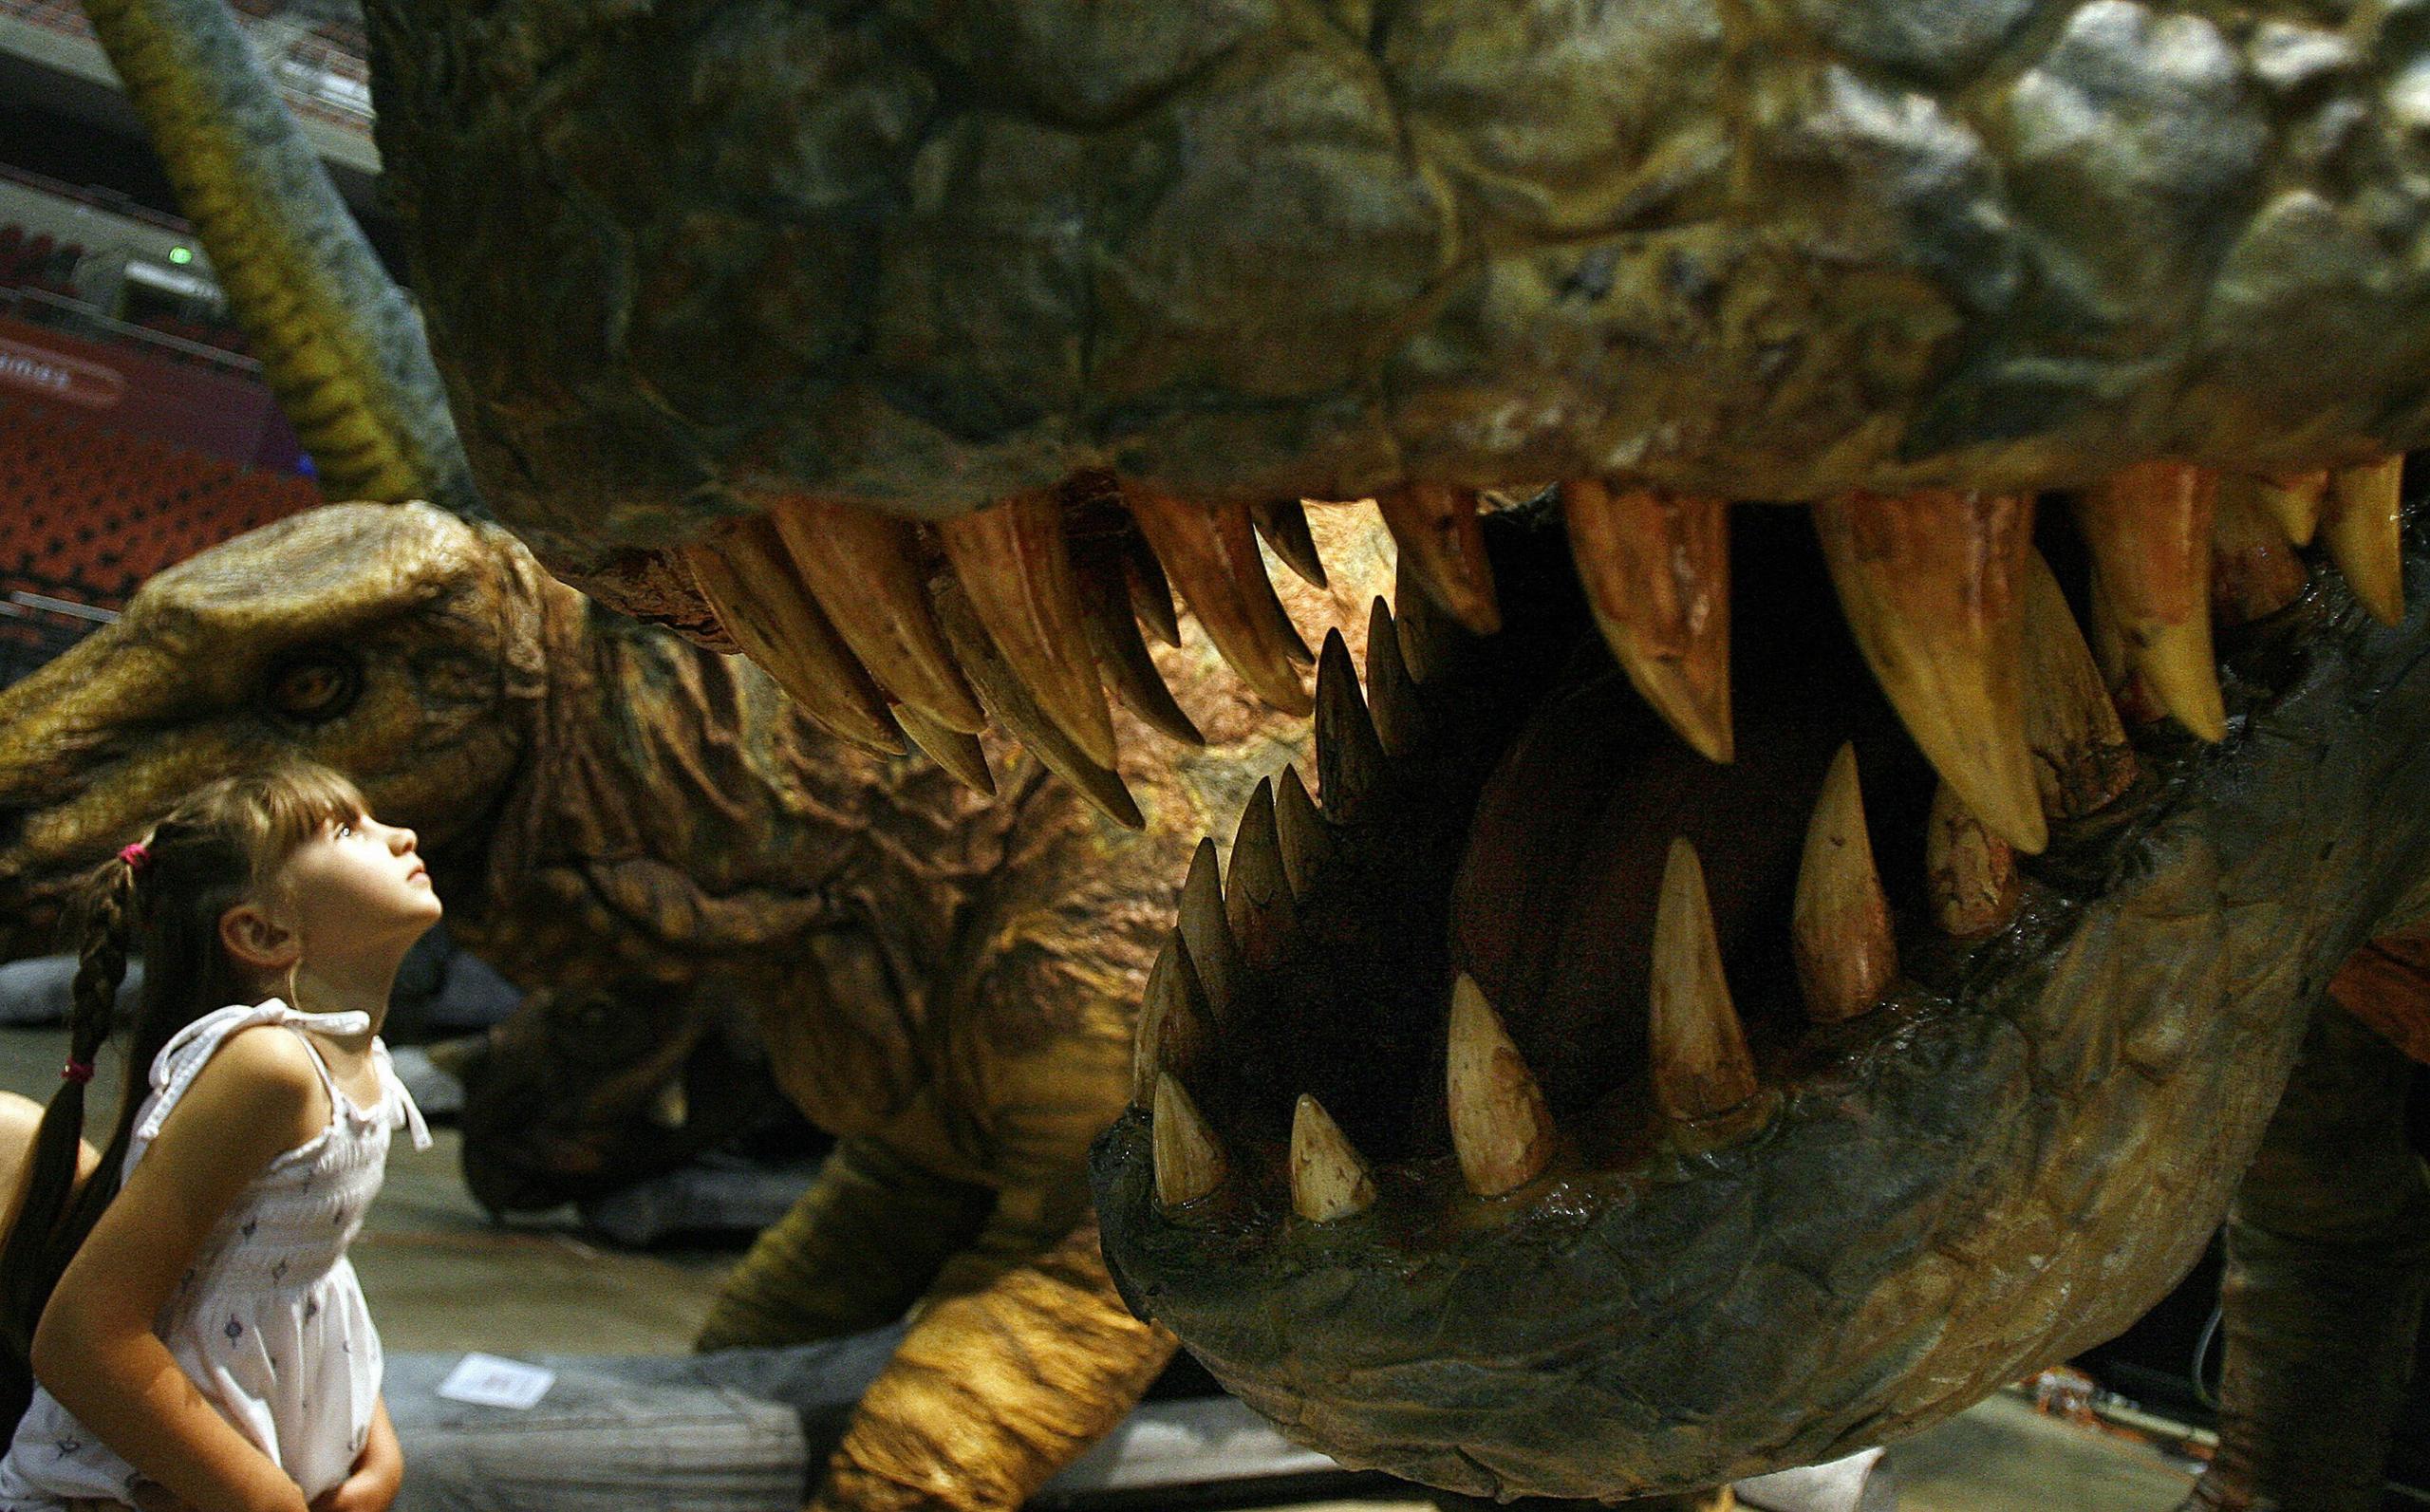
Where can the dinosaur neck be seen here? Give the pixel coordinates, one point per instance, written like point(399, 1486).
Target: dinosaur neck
point(674, 805)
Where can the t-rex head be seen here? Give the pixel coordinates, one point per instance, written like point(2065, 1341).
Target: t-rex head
point(927, 340)
point(395, 643)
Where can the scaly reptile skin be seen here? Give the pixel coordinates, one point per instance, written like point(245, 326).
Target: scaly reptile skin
point(654, 841)
point(701, 275)
point(918, 255)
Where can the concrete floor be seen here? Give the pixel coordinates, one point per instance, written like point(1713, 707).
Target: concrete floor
point(441, 1277)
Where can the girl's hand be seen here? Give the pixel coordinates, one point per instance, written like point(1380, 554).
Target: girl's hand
point(379, 1472)
point(363, 1491)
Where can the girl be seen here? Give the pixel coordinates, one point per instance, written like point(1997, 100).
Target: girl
point(189, 1311)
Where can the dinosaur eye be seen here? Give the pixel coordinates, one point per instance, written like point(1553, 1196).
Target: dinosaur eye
point(315, 684)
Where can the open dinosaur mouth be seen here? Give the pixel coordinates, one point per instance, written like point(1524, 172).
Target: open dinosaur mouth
point(1554, 1112)
point(886, 630)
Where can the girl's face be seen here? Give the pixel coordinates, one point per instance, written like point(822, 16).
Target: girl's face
point(358, 879)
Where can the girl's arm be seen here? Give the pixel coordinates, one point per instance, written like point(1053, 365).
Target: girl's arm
point(257, 1097)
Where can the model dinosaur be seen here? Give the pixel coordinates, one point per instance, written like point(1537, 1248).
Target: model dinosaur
point(1628, 1182)
point(689, 875)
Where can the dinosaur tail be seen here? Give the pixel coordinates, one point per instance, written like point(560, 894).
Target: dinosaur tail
point(341, 345)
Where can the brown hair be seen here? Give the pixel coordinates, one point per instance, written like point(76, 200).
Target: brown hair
point(214, 850)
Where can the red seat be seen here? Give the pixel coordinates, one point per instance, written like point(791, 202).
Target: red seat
point(96, 512)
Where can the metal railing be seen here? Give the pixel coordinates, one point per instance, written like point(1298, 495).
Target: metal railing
point(77, 318)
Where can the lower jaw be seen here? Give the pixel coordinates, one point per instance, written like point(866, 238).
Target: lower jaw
point(2028, 1141)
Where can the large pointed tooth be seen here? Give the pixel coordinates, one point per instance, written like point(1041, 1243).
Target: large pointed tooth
point(957, 751)
point(1189, 1164)
point(2149, 530)
point(1929, 586)
point(1284, 524)
point(1350, 755)
point(865, 572)
point(2255, 569)
point(1151, 592)
point(1840, 926)
point(2363, 527)
point(1656, 570)
point(1015, 574)
point(2081, 759)
point(1207, 932)
point(1121, 651)
point(1442, 541)
point(1500, 1125)
point(1176, 1029)
point(749, 580)
point(1307, 845)
point(1428, 637)
point(1329, 1178)
point(1701, 1065)
point(1391, 693)
point(1004, 693)
point(2129, 693)
point(1212, 553)
point(1968, 871)
point(1257, 892)
point(2293, 499)
point(670, 1107)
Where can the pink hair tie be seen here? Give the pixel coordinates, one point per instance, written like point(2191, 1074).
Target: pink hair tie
point(77, 1070)
point(137, 856)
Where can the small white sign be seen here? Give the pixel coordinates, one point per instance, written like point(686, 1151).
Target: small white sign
point(486, 1380)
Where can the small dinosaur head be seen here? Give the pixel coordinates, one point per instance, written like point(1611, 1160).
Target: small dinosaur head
point(389, 641)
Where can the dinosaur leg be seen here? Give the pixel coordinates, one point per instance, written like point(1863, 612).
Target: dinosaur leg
point(2328, 1251)
point(855, 1252)
point(996, 1388)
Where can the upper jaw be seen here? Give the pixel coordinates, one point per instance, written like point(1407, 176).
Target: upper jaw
point(1242, 253)
point(2024, 1143)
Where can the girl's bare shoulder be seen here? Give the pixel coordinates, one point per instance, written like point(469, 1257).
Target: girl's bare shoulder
point(261, 1078)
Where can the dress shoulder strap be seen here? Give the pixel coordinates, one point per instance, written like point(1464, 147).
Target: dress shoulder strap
point(190, 1048)
point(409, 1111)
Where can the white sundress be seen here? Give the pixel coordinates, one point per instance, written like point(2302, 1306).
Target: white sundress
point(269, 1322)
